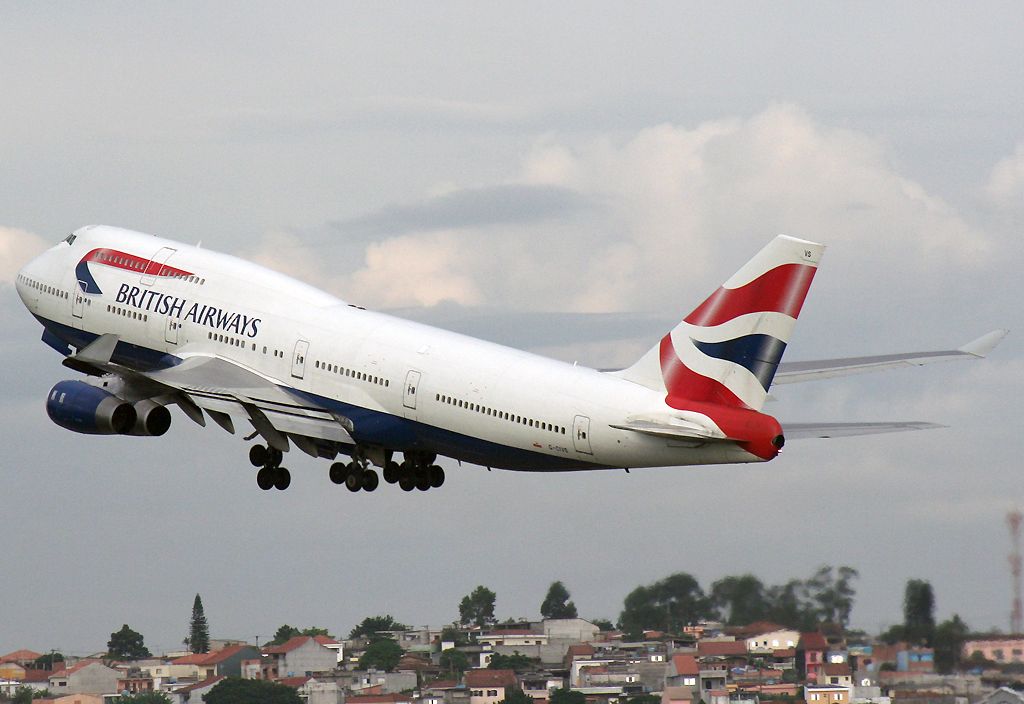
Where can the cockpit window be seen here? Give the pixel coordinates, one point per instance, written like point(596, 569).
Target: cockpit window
point(70, 239)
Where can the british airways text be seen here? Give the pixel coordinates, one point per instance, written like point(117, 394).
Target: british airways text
point(201, 314)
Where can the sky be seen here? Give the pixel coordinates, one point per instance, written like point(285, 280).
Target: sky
point(570, 179)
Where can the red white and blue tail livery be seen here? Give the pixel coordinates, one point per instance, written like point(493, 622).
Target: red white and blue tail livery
point(154, 323)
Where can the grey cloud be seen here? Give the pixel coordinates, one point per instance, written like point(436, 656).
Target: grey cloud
point(474, 207)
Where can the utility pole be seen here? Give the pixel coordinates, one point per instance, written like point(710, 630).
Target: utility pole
point(1013, 520)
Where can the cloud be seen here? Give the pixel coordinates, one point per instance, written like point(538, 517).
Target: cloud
point(1005, 187)
point(473, 207)
point(16, 248)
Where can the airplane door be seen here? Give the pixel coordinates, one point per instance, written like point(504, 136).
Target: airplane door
point(171, 330)
point(299, 359)
point(155, 264)
point(78, 300)
point(581, 435)
point(412, 383)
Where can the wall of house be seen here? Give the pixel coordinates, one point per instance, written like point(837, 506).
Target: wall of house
point(94, 679)
point(308, 657)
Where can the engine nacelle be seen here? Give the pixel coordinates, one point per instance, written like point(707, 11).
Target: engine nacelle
point(84, 408)
point(151, 418)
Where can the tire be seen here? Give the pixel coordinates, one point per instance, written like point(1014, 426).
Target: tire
point(391, 472)
point(423, 479)
point(407, 482)
point(436, 476)
point(274, 457)
point(282, 478)
point(370, 480)
point(258, 455)
point(354, 478)
point(338, 472)
point(265, 479)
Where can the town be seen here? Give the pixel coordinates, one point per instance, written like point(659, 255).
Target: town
point(658, 653)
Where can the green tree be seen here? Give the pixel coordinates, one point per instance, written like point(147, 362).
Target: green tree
point(198, 631)
point(666, 605)
point(832, 592)
point(23, 695)
point(918, 612)
point(740, 600)
point(284, 634)
point(948, 642)
point(234, 690)
point(603, 623)
point(381, 654)
point(516, 696)
point(477, 607)
point(516, 661)
point(372, 625)
point(315, 631)
point(46, 662)
point(454, 662)
point(790, 606)
point(126, 644)
point(567, 696)
point(454, 635)
point(556, 604)
point(144, 698)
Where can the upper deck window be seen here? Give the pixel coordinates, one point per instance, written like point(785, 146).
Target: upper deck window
point(70, 239)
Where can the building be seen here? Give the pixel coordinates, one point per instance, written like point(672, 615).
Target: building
point(810, 655)
point(826, 694)
point(301, 655)
point(836, 674)
point(489, 686)
point(85, 677)
point(226, 662)
point(770, 641)
point(1002, 650)
point(194, 693)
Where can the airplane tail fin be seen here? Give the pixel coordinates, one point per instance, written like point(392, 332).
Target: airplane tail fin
point(727, 350)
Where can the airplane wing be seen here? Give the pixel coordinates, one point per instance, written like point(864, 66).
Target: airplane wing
point(801, 431)
point(793, 372)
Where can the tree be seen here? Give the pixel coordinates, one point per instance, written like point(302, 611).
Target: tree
point(23, 695)
point(666, 605)
point(454, 662)
point(556, 604)
point(948, 642)
point(918, 612)
point(144, 698)
point(603, 623)
point(567, 696)
point(381, 654)
point(198, 632)
point(284, 634)
point(477, 607)
point(517, 662)
point(454, 635)
point(46, 662)
point(515, 695)
point(234, 690)
point(314, 631)
point(832, 592)
point(740, 600)
point(372, 625)
point(126, 644)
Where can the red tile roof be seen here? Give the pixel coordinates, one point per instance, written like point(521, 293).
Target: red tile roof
point(20, 655)
point(36, 675)
point(200, 685)
point(293, 682)
point(490, 678)
point(839, 669)
point(324, 640)
point(755, 629)
point(581, 649)
point(721, 647)
point(377, 698)
point(784, 653)
point(442, 684)
point(812, 641)
point(288, 646)
point(80, 665)
point(685, 665)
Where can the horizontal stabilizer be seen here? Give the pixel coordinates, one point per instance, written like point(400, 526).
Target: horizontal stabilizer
point(799, 431)
point(792, 372)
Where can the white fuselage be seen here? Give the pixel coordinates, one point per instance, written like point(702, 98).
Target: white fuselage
point(404, 385)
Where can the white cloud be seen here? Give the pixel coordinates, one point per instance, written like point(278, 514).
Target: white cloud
point(17, 247)
point(1005, 187)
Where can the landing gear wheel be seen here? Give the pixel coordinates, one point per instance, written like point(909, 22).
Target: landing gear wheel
point(258, 455)
point(391, 472)
point(406, 478)
point(338, 473)
point(422, 478)
point(265, 479)
point(436, 476)
point(282, 478)
point(370, 480)
point(354, 479)
point(274, 457)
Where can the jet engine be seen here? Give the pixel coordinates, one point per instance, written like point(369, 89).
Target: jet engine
point(151, 418)
point(84, 408)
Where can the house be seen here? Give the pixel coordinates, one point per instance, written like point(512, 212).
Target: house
point(677, 695)
point(85, 677)
point(226, 662)
point(77, 699)
point(837, 674)
point(25, 658)
point(770, 641)
point(396, 698)
point(682, 671)
point(538, 685)
point(301, 655)
point(826, 694)
point(810, 655)
point(194, 693)
point(489, 686)
point(570, 629)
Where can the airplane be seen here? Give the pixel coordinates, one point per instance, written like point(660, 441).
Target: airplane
point(154, 322)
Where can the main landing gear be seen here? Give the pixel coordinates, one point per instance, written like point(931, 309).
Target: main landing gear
point(271, 475)
point(416, 472)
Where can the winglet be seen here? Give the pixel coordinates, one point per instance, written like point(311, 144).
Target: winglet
point(984, 344)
